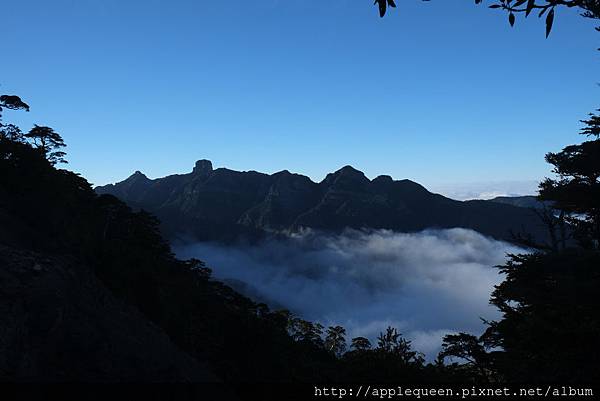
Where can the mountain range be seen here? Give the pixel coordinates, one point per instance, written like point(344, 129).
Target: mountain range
point(223, 205)
point(528, 201)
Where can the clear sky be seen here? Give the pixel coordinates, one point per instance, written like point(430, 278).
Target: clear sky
point(442, 92)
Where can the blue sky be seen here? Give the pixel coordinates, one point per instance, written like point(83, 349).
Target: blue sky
point(441, 92)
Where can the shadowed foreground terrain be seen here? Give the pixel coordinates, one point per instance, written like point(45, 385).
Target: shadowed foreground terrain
point(60, 323)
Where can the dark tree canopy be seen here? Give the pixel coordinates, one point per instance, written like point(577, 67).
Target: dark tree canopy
point(11, 132)
point(45, 139)
point(392, 342)
point(12, 102)
point(360, 344)
point(335, 341)
point(48, 142)
point(549, 300)
point(576, 191)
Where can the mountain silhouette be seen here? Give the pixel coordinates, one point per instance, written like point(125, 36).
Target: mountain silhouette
point(222, 204)
point(529, 201)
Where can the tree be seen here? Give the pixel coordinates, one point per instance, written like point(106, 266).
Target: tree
point(469, 348)
point(11, 136)
point(335, 341)
point(48, 142)
point(12, 102)
point(392, 343)
point(306, 331)
point(199, 268)
point(11, 132)
point(589, 8)
point(45, 139)
point(576, 192)
point(360, 344)
point(550, 326)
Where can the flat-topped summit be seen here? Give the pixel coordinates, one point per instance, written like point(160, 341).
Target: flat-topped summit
point(203, 167)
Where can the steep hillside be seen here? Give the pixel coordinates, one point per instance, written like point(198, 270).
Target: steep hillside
point(92, 292)
point(58, 322)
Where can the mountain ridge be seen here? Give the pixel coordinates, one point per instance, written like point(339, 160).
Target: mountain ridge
point(528, 201)
point(222, 204)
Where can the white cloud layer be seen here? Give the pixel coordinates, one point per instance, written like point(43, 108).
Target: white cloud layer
point(426, 284)
point(485, 190)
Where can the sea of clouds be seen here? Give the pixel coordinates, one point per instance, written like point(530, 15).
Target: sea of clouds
point(426, 284)
point(485, 190)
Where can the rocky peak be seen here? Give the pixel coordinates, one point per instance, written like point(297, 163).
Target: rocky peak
point(349, 170)
point(347, 175)
point(137, 176)
point(203, 167)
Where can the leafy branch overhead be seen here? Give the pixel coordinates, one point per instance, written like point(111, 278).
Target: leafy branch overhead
point(383, 4)
point(590, 8)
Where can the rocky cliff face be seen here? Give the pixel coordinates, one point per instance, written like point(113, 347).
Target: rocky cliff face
point(59, 323)
point(221, 204)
